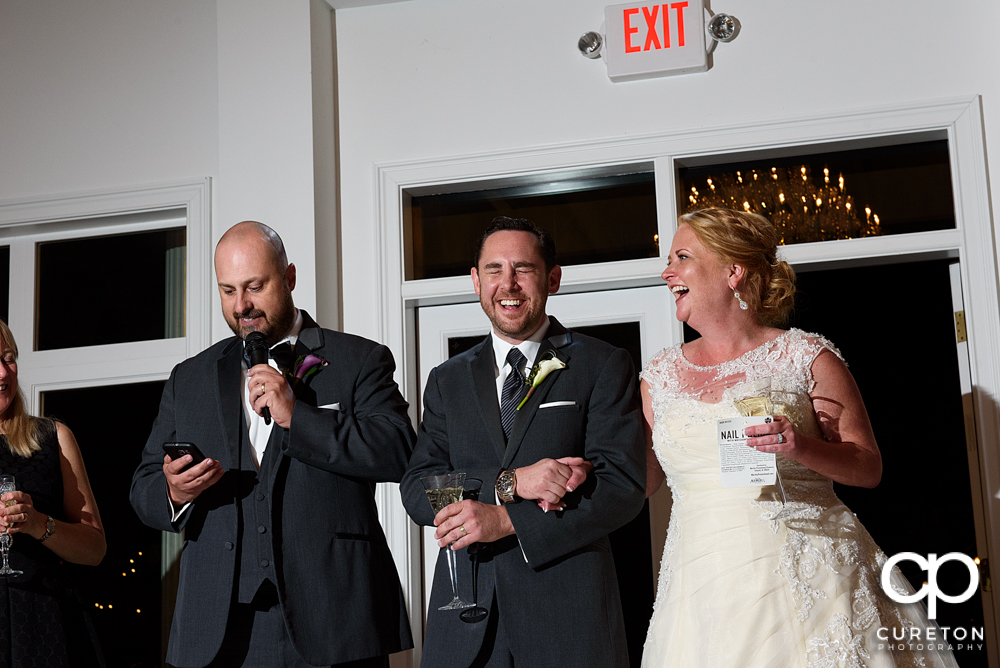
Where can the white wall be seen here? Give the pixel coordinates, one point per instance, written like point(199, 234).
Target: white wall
point(266, 128)
point(436, 78)
point(105, 93)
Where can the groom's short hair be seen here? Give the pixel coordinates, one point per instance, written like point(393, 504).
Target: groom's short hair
point(546, 244)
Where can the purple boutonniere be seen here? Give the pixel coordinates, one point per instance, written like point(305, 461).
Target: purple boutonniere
point(305, 366)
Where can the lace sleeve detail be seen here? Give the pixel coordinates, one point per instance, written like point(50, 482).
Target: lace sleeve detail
point(653, 372)
point(667, 393)
point(812, 345)
point(657, 374)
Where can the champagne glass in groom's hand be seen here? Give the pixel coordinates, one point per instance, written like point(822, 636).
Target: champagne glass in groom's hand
point(475, 613)
point(443, 490)
point(7, 484)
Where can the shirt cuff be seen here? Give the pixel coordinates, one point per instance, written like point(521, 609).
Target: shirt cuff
point(174, 513)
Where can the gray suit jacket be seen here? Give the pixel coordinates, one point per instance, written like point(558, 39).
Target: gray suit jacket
point(337, 583)
point(558, 601)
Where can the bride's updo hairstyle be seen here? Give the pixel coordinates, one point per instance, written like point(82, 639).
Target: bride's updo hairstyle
point(749, 240)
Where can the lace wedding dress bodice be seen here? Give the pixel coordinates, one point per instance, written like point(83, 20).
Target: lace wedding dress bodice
point(747, 580)
point(685, 394)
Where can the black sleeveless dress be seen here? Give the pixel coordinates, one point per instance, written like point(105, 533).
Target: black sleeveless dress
point(42, 620)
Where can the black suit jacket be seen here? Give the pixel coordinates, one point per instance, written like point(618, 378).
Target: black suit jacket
point(555, 581)
point(337, 583)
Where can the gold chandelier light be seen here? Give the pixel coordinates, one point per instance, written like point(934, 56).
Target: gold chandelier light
point(799, 209)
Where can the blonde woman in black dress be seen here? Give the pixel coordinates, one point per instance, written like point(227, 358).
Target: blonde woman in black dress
point(54, 518)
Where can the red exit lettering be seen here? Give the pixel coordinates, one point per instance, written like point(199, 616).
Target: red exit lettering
point(649, 14)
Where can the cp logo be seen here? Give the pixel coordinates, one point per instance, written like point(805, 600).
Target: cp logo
point(930, 590)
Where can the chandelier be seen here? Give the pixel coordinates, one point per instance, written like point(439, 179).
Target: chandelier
point(799, 209)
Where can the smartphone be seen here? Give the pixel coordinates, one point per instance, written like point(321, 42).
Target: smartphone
point(178, 450)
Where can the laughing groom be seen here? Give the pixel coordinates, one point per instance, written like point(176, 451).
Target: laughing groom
point(562, 464)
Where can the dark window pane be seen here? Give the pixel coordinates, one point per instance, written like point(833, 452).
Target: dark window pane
point(459, 344)
point(835, 195)
point(627, 335)
point(5, 283)
point(597, 219)
point(127, 287)
point(130, 623)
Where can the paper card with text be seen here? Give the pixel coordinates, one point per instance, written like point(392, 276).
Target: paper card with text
point(739, 465)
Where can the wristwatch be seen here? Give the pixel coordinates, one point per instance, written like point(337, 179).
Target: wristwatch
point(50, 528)
point(506, 482)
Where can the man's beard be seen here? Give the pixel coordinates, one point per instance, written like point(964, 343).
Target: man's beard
point(526, 326)
point(274, 328)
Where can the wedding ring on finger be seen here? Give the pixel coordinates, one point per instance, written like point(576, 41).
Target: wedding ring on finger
point(781, 438)
point(461, 528)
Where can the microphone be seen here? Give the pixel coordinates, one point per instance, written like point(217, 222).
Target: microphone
point(256, 348)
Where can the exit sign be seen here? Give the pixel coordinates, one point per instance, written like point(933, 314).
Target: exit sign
point(644, 39)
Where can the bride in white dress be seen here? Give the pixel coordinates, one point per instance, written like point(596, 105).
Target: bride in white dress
point(746, 580)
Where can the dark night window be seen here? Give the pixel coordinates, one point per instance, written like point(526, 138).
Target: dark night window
point(593, 219)
point(111, 289)
point(127, 592)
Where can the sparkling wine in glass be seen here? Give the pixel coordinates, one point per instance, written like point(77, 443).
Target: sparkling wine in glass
point(443, 490)
point(755, 398)
point(7, 484)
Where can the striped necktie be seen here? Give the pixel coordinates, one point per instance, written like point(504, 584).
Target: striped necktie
point(513, 390)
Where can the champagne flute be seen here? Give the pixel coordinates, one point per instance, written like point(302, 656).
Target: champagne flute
point(7, 484)
point(443, 490)
point(476, 613)
point(759, 399)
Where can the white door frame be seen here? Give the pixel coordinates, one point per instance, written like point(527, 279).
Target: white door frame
point(972, 240)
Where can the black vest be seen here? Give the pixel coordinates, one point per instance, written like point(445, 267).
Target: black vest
point(254, 493)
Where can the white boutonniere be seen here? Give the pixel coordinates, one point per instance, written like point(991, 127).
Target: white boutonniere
point(540, 371)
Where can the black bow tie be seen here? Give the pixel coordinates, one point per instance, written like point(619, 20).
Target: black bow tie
point(282, 354)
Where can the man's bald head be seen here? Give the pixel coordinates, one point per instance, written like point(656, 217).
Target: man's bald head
point(248, 231)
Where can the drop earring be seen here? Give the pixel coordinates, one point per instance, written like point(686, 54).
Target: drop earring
point(743, 304)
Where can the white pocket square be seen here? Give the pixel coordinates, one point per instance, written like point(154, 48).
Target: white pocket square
point(335, 406)
point(553, 404)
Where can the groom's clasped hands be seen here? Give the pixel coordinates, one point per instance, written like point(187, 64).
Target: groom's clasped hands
point(545, 482)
